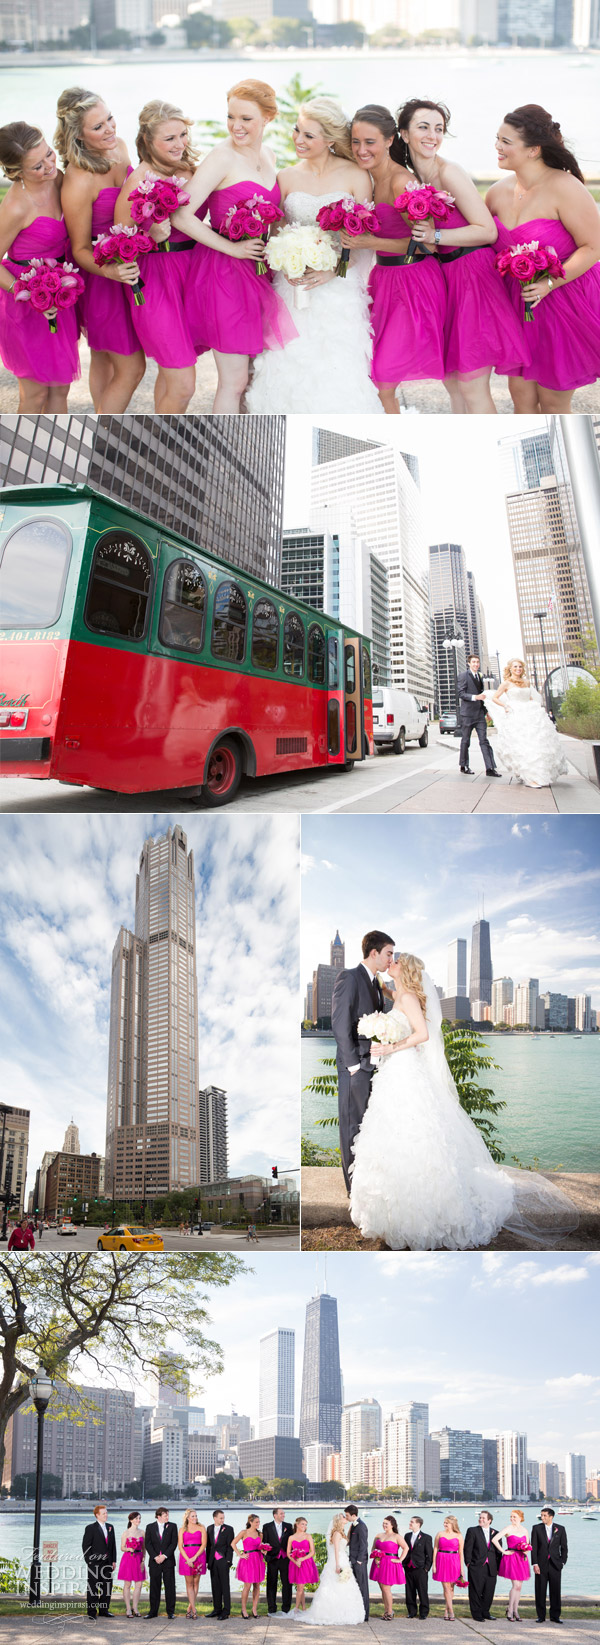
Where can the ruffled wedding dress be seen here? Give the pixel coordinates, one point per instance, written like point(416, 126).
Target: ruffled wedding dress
point(422, 1177)
point(527, 744)
point(326, 367)
point(338, 1600)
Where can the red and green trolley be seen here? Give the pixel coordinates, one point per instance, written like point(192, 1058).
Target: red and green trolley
point(132, 660)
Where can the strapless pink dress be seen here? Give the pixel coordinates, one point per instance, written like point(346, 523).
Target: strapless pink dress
point(161, 322)
point(229, 307)
point(105, 306)
point(408, 312)
point(28, 347)
point(305, 1570)
point(447, 1563)
point(192, 1540)
point(481, 328)
point(514, 1563)
point(251, 1567)
point(132, 1568)
point(564, 335)
point(388, 1569)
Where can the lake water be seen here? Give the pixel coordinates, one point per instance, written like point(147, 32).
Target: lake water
point(550, 1087)
point(67, 1529)
point(479, 89)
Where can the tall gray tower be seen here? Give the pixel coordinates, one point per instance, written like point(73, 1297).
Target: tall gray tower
point(321, 1399)
point(480, 986)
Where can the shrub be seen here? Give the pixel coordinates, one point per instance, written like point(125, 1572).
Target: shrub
point(580, 712)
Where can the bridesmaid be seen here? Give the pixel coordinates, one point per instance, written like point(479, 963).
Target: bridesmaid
point(387, 1553)
point(408, 300)
point(251, 1567)
point(546, 200)
point(230, 308)
point(132, 1570)
point(96, 164)
point(448, 1562)
point(514, 1563)
point(302, 1569)
point(481, 328)
point(32, 225)
point(192, 1556)
point(164, 147)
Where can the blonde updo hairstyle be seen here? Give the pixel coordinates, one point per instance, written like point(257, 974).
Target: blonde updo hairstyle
point(256, 91)
point(187, 1516)
point(337, 1524)
point(453, 1523)
point(72, 107)
point(16, 141)
point(330, 116)
point(509, 667)
point(153, 115)
point(517, 1513)
point(411, 970)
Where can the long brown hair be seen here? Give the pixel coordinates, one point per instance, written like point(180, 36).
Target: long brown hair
point(154, 114)
point(404, 117)
point(537, 128)
point(375, 114)
point(72, 106)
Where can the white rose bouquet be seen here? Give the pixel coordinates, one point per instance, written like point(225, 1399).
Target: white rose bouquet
point(381, 1026)
point(345, 1574)
point(298, 247)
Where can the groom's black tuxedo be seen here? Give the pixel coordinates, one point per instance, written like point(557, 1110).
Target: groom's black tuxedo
point(355, 995)
point(550, 1553)
point(482, 1561)
point(358, 1553)
point(417, 1565)
point(473, 716)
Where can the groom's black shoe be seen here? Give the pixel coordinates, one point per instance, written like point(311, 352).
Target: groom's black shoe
point(493, 773)
point(467, 771)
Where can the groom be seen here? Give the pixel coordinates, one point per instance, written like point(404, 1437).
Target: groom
point(356, 994)
point(358, 1552)
point(473, 717)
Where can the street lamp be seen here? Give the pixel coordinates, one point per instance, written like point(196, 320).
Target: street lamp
point(453, 643)
point(3, 1112)
point(540, 617)
point(41, 1391)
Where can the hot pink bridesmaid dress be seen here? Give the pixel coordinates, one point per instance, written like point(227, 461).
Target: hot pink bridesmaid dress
point(28, 347)
point(408, 312)
point(481, 329)
point(229, 306)
point(104, 305)
point(563, 336)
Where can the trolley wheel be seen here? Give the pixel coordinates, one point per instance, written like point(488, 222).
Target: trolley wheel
point(399, 743)
point(349, 765)
point(423, 741)
point(223, 774)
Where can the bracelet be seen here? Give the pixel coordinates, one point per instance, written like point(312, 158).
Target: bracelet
point(550, 282)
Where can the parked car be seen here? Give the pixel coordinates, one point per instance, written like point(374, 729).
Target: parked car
point(398, 719)
point(449, 726)
point(129, 1238)
point(206, 1227)
point(67, 1227)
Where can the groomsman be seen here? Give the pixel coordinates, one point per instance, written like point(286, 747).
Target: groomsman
point(482, 1559)
point(219, 1555)
point(161, 1547)
point(275, 1534)
point(417, 1565)
point(549, 1552)
point(100, 1555)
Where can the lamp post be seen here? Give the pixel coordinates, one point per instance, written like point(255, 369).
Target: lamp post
point(41, 1391)
point(453, 643)
point(4, 1234)
point(540, 617)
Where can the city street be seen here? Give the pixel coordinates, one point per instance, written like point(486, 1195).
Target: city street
point(420, 780)
point(225, 1239)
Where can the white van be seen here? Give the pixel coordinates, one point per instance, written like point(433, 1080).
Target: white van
point(398, 719)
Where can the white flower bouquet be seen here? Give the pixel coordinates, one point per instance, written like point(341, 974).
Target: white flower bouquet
point(299, 247)
point(381, 1026)
point(345, 1574)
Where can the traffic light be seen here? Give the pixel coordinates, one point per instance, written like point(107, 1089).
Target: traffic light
point(274, 1173)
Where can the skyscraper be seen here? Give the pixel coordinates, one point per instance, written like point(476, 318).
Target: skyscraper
point(321, 1399)
point(512, 1466)
point(152, 1142)
point(449, 619)
point(502, 994)
point(461, 1461)
point(480, 986)
point(457, 967)
point(361, 1432)
point(575, 1476)
point(377, 486)
point(526, 998)
point(212, 1119)
point(405, 1434)
point(276, 1383)
point(329, 566)
point(337, 953)
point(71, 1143)
point(14, 1146)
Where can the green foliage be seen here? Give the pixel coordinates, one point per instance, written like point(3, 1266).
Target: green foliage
point(157, 37)
point(580, 712)
point(254, 1485)
point(311, 1154)
point(11, 1576)
point(294, 94)
point(467, 1055)
point(389, 36)
point(243, 28)
point(203, 30)
point(320, 1543)
point(116, 40)
point(23, 1485)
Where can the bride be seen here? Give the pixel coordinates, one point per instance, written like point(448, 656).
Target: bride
point(422, 1176)
point(326, 368)
point(338, 1599)
point(526, 741)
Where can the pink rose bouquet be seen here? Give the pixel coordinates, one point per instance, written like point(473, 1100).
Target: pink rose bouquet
point(48, 284)
point(155, 199)
point(251, 220)
point(420, 202)
point(352, 216)
point(123, 245)
point(530, 262)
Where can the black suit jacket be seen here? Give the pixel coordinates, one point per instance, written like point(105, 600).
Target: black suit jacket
point(420, 1551)
point(353, 997)
point(269, 1535)
point(477, 1551)
point(97, 1547)
point(358, 1541)
point(549, 1551)
point(222, 1544)
point(167, 1544)
point(467, 687)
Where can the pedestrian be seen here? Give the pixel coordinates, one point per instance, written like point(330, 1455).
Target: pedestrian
point(22, 1238)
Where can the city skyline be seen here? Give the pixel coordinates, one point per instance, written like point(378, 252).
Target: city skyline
point(65, 894)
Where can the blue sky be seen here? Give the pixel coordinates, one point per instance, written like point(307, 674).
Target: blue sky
point(68, 883)
point(420, 878)
point(491, 1340)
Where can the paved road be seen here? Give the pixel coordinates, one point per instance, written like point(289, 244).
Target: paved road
point(421, 780)
point(227, 1240)
point(28, 1630)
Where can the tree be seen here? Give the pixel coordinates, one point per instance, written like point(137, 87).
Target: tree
point(289, 31)
point(81, 37)
point(116, 40)
point(294, 94)
point(23, 1485)
point(222, 1485)
point(118, 1310)
point(390, 36)
point(466, 1055)
point(202, 30)
point(157, 38)
point(244, 29)
point(348, 34)
point(254, 1485)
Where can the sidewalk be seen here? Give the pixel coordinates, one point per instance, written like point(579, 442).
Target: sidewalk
point(325, 1208)
point(429, 789)
point(28, 1630)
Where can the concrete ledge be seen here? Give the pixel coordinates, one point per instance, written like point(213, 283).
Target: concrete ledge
point(578, 751)
point(325, 1204)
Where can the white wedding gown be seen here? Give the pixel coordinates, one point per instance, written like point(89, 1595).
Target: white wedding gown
point(422, 1177)
point(338, 1600)
point(527, 744)
point(326, 367)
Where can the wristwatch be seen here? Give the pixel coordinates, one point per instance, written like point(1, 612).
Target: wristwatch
point(437, 235)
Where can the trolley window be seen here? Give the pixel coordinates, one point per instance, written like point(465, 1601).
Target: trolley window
point(293, 646)
point(119, 589)
point(33, 573)
point(333, 726)
point(350, 669)
point(183, 612)
point(366, 671)
point(351, 728)
point(265, 635)
point(229, 624)
point(316, 654)
point(333, 667)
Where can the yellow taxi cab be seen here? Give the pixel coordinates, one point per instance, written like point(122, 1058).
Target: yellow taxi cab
point(129, 1238)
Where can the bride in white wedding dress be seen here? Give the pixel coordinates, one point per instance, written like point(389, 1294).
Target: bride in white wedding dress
point(338, 1600)
point(527, 744)
point(326, 367)
point(422, 1177)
